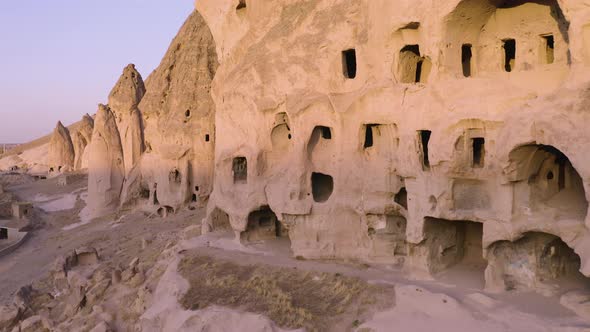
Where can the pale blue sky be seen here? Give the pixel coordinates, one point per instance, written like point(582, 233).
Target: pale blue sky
point(60, 58)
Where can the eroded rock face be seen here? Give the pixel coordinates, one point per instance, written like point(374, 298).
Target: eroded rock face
point(419, 134)
point(61, 150)
point(542, 258)
point(179, 113)
point(106, 171)
point(369, 128)
point(81, 138)
point(124, 100)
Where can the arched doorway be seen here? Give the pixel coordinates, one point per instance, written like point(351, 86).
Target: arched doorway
point(546, 185)
point(263, 224)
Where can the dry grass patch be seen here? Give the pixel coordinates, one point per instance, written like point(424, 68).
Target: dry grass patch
point(291, 298)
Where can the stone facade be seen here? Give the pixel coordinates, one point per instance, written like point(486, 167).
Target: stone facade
point(402, 131)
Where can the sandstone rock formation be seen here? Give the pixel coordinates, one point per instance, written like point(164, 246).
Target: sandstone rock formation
point(80, 139)
point(61, 150)
point(421, 134)
point(124, 101)
point(425, 134)
point(179, 114)
point(106, 170)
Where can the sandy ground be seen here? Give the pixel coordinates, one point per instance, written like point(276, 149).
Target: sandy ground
point(453, 301)
point(31, 261)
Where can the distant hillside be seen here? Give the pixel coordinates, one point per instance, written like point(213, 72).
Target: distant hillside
point(7, 146)
point(35, 143)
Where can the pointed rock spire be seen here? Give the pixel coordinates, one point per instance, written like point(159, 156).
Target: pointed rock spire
point(123, 101)
point(81, 138)
point(105, 167)
point(61, 150)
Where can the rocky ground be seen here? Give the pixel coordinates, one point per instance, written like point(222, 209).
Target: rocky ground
point(135, 271)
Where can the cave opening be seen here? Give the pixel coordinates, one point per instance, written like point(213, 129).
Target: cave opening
point(466, 55)
point(322, 186)
point(478, 146)
point(240, 169)
point(263, 224)
point(455, 248)
point(548, 48)
point(424, 137)
point(349, 63)
point(401, 197)
point(545, 180)
point(532, 262)
point(509, 46)
point(369, 135)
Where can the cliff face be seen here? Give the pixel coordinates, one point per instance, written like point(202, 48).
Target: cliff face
point(376, 129)
point(180, 119)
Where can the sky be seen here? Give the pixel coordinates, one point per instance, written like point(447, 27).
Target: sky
point(60, 58)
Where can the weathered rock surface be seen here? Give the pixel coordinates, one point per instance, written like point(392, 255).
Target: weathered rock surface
point(578, 302)
point(180, 121)
point(61, 150)
point(124, 100)
point(81, 138)
point(416, 133)
point(106, 170)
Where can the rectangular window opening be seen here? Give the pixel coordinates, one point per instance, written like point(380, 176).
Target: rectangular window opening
point(478, 151)
point(207, 138)
point(3, 233)
point(509, 46)
point(240, 169)
point(466, 55)
point(349, 63)
point(549, 47)
point(424, 140)
point(369, 141)
point(326, 132)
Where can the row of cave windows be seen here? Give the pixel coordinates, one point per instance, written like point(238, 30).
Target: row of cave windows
point(323, 185)
point(415, 67)
point(240, 169)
